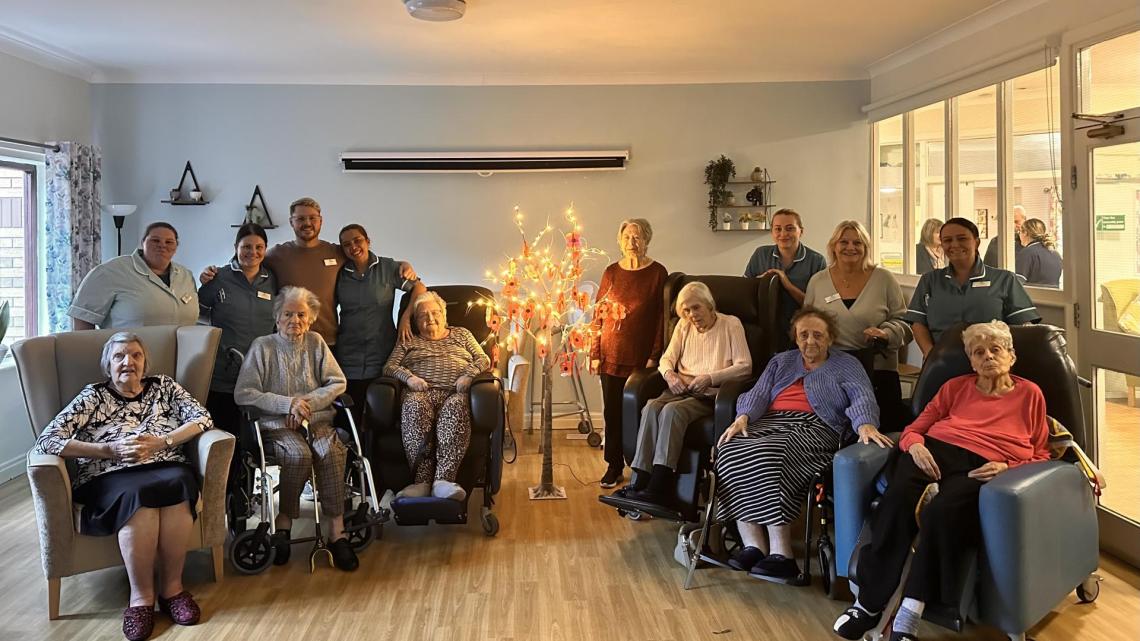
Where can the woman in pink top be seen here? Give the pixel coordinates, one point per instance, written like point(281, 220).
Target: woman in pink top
point(978, 426)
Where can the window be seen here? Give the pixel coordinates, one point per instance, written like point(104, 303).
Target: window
point(1002, 159)
point(18, 200)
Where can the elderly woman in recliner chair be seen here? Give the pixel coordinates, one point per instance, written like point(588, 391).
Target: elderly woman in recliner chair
point(707, 350)
point(978, 426)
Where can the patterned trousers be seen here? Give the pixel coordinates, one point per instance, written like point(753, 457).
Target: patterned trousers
point(448, 413)
point(326, 456)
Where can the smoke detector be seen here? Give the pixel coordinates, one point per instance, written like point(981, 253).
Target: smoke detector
point(436, 10)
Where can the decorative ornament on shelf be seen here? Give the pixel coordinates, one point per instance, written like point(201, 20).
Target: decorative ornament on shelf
point(540, 296)
point(755, 196)
point(717, 174)
point(745, 220)
point(257, 214)
point(195, 196)
point(726, 221)
point(757, 175)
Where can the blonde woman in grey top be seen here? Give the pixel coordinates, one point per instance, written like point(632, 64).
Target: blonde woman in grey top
point(437, 365)
point(292, 377)
point(868, 305)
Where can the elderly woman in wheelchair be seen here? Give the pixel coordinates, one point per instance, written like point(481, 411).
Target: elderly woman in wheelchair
point(292, 378)
point(788, 428)
point(134, 481)
point(976, 427)
point(437, 365)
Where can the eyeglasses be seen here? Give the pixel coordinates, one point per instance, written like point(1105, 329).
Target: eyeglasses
point(306, 219)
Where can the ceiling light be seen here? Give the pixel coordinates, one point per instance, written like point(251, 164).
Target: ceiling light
point(436, 10)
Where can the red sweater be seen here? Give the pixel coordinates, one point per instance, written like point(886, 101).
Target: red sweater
point(1009, 429)
point(626, 345)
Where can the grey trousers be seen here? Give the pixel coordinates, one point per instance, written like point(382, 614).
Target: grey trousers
point(662, 432)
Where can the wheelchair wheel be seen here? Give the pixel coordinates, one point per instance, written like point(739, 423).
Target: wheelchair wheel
point(363, 537)
point(490, 524)
point(1089, 590)
point(593, 439)
point(827, 569)
point(251, 551)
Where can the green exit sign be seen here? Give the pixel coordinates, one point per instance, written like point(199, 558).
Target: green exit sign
point(1110, 222)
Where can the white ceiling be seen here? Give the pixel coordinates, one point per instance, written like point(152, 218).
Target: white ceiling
point(498, 42)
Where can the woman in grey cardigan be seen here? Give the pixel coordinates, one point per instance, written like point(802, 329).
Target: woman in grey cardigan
point(292, 377)
point(868, 306)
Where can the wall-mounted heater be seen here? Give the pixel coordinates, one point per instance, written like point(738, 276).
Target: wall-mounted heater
point(482, 162)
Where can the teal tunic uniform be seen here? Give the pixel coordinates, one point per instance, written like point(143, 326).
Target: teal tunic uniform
point(123, 292)
point(805, 265)
point(939, 302)
point(243, 310)
point(367, 332)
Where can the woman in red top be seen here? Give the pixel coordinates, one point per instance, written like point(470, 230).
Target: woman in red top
point(632, 329)
point(978, 426)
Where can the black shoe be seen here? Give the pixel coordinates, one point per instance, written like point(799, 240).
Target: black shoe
point(855, 622)
point(344, 557)
point(744, 558)
point(611, 477)
point(638, 479)
point(282, 547)
point(776, 566)
point(661, 489)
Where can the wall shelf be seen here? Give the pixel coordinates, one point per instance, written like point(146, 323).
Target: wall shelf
point(185, 202)
point(744, 206)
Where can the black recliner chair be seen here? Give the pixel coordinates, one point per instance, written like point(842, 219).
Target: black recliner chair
point(755, 301)
point(482, 467)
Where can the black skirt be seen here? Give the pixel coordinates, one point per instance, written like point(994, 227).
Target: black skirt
point(110, 500)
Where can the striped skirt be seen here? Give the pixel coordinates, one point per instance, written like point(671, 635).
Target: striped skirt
point(763, 477)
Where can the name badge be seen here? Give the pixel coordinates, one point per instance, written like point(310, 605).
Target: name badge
point(832, 298)
point(981, 283)
point(330, 262)
point(264, 295)
point(186, 298)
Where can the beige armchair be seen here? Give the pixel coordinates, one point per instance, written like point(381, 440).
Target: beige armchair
point(52, 370)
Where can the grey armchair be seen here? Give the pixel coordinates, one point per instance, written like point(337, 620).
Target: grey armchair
point(52, 370)
point(1039, 523)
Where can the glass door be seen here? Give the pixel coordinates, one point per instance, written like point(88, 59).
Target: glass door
point(1107, 176)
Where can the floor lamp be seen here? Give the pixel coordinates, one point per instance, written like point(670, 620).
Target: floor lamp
point(119, 213)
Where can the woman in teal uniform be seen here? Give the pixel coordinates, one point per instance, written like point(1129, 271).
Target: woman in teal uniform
point(965, 291)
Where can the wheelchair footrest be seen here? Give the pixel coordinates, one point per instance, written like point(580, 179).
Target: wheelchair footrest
point(624, 504)
point(428, 509)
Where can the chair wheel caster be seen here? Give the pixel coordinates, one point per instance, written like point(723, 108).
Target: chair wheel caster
point(632, 515)
point(584, 427)
point(593, 439)
point(490, 524)
point(1089, 590)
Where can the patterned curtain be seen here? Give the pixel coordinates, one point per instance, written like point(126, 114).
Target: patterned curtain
point(71, 228)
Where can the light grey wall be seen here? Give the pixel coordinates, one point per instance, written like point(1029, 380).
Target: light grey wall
point(40, 104)
point(811, 136)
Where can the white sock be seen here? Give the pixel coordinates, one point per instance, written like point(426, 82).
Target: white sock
point(908, 616)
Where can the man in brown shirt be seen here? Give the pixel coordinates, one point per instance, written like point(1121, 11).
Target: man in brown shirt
point(312, 263)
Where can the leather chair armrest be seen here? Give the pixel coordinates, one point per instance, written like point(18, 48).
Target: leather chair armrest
point(640, 387)
point(51, 495)
point(383, 399)
point(724, 408)
point(854, 470)
point(1039, 527)
point(211, 453)
point(488, 415)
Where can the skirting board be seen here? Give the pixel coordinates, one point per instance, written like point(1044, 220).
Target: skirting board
point(13, 468)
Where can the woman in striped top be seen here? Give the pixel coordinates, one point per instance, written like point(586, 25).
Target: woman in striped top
point(437, 366)
point(788, 428)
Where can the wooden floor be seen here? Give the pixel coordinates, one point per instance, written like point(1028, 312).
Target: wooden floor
point(557, 570)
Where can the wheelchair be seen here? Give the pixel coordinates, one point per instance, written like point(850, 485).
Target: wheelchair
point(1039, 523)
point(482, 465)
point(251, 496)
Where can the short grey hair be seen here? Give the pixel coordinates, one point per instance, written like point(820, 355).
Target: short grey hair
point(995, 331)
point(642, 225)
point(429, 297)
point(122, 338)
point(293, 293)
point(698, 291)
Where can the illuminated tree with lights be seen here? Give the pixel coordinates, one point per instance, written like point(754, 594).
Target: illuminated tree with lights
point(540, 295)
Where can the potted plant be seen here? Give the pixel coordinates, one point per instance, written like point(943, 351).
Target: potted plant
point(717, 174)
point(745, 221)
point(726, 221)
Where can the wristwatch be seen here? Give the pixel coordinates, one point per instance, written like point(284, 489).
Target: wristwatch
point(169, 441)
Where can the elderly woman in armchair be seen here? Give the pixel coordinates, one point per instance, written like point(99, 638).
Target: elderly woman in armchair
point(134, 482)
point(293, 379)
point(437, 365)
point(978, 426)
point(788, 428)
point(707, 350)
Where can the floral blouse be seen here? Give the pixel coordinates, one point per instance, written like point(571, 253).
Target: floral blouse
point(99, 414)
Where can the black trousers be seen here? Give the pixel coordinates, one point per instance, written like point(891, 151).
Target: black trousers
point(950, 527)
point(358, 391)
point(612, 390)
point(224, 411)
point(894, 416)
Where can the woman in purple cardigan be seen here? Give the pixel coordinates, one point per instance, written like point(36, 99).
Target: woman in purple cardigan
point(788, 428)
